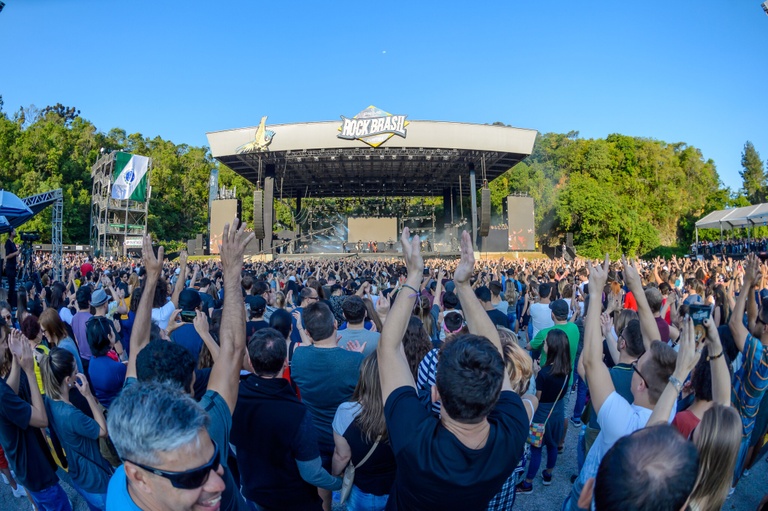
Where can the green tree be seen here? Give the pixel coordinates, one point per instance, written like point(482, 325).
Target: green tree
point(753, 176)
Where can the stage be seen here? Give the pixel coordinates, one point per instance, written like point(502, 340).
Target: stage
point(479, 256)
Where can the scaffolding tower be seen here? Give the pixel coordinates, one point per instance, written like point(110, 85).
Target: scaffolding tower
point(116, 224)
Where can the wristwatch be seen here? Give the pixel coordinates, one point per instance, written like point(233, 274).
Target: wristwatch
point(677, 383)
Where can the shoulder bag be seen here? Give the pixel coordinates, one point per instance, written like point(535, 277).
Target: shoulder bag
point(536, 433)
point(349, 473)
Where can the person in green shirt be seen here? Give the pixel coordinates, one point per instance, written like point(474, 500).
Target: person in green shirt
point(559, 310)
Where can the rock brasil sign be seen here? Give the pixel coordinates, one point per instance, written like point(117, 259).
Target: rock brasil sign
point(373, 126)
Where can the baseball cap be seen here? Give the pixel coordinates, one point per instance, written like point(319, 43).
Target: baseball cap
point(189, 299)
point(559, 308)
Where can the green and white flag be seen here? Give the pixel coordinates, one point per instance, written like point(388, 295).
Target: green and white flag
point(130, 177)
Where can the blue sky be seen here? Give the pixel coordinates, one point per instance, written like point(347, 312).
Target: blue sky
point(695, 72)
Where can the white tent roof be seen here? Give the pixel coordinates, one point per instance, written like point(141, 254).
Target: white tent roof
point(735, 217)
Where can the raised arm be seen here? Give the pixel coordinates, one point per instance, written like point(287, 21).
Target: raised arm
point(203, 330)
point(597, 376)
point(721, 378)
point(687, 357)
point(225, 374)
point(394, 371)
point(478, 321)
point(648, 326)
point(179, 287)
point(143, 321)
point(22, 351)
point(736, 323)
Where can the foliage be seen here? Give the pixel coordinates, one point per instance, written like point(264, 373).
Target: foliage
point(753, 175)
point(620, 194)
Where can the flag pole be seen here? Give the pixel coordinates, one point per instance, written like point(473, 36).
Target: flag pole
point(125, 227)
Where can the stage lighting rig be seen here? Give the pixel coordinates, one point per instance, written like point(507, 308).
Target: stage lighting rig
point(764, 5)
point(2, 4)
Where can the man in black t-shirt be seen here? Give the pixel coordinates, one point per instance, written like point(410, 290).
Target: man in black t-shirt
point(461, 460)
point(497, 317)
point(11, 255)
point(273, 432)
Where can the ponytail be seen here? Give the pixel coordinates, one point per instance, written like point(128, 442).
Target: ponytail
point(54, 367)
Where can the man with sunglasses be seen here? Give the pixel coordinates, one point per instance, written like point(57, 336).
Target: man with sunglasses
point(163, 478)
point(651, 373)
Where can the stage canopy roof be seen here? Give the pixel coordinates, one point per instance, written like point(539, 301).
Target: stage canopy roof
point(371, 154)
point(735, 218)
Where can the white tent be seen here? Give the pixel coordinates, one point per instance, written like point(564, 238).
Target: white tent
point(734, 218)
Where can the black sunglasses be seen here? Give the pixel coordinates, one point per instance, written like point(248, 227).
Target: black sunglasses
point(189, 479)
point(635, 369)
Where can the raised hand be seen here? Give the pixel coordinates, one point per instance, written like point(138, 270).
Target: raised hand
point(412, 253)
point(606, 323)
point(687, 355)
point(631, 273)
point(752, 270)
point(153, 264)
point(598, 276)
point(201, 323)
point(233, 243)
point(21, 350)
point(173, 321)
point(382, 305)
point(466, 266)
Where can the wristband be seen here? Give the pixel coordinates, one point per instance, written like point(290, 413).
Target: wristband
point(714, 357)
point(677, 384)
point(413, 289)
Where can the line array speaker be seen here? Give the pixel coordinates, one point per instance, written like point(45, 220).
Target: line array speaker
point(258, 214)
point(485, 212)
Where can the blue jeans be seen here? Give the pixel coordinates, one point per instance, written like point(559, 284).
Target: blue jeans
point(581, 397)
point(95, 501)
point(53, 498)
point(360, 501)
point(552, 434)
point(581, 449)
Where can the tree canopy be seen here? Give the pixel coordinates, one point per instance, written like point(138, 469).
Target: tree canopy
point(620, 194)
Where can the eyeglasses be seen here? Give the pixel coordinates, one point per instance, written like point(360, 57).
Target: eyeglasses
point(189, 479)
point(635, 369)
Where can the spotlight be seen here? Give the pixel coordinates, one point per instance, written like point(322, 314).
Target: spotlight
point(2, 4)
point(764, 4)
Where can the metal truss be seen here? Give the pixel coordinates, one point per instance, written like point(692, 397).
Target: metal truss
point(41, 201)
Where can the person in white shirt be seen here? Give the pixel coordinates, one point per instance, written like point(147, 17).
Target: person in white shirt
point(541, 316)
point(162, 307)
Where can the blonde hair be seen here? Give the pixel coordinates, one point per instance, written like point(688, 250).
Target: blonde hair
point(718, 439)
point(55, 331)
point(516, 359)
point(622, 318)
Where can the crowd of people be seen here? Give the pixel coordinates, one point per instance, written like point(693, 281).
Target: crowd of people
point(391, 383)
point(732, 247)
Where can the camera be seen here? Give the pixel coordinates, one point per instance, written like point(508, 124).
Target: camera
point(29, 236)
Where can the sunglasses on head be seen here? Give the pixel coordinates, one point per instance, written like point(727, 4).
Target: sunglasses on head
point(189, 479)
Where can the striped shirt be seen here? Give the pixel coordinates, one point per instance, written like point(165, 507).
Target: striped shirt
point(750, 383)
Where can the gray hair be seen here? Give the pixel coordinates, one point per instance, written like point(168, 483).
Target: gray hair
point(148, 418)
